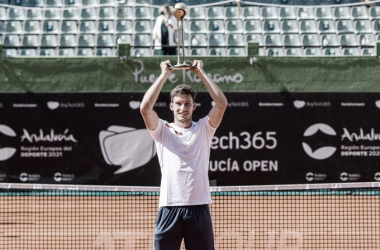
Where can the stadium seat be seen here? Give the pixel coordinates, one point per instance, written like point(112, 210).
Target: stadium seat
point(86, 41)
point(237, 52)
point(28, 52)
point(217, 40)
point(312, 52)
point(332, 52)
point(105, 41)
point(345, 26)
point(273, 40)
point(49, 41)
point(17, 2)
point(71, 3)
point(16, 14)
point(53, 3)
point(254, 38)
point(52, 14)
point(36, 3)
point(351, 52)
point(251, 12)
point(105, 2)
point(305, 13)
point(269, 13)
point(289, 26)
point(32, 27)
point(274, 52)
point(9, 53)
point(198, 26)
point(88, 14)
point(47, 52)
point(253, 26)
point(139, 52)
point(367, 39)
point(142, 13)
point(69, 27)
point(232, 13)
point(124, 13)
point(50, 27)
point(329, 40)
point(363, 26)
point(294, 52)
point(309, 40)
point(33, 14)
point(348, 40)
point(323, 13)
point(235, 40)
point(292, 40)
point(197, 13)
point(359, 13)
point(106, 13)
point(234, 26)
point(123, 38)
point(68, 41)
point(3, 14)
point(90, 2)
point(368, 52)
point(142, 40)
point(287, 13)
point(104, 52)
point(308, 26)
point(85, 52)
point(271, 26)
point(374, 12)
point(124, 27)
point(326, 26)
point(376, 26)
point(216, 26)
point(11, 41)
point(198, 52)
point(342, 13)
point(13, 27)
point(70, 14)
point(199, 40)
point(142, 27)
point(66, 52)
point(217, 52)
point(87, 27)
point(215, 13)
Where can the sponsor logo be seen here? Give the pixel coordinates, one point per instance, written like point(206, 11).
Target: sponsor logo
point(238, 104)
point(106, 105)
point(2, 176)
point(377, 103)
point(315, 176)
point(300, 104)
point(7, 152)
point(134, 104)
point(122, 146)
point(58, 177)
point(163, 105)
point(271, 104)
point(24, 105)
point(361, 136)
point(53, 105)
point(24, 177)
point(344, 176)
point(49, 137)
point(377, 176)
point(352, 104)
point(323, 152)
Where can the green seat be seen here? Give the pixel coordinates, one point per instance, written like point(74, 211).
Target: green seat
point(142, 40)
point(313, 52)
point(235, 40)
point(359, 13)
point(107, 13)
point(50, 27)
point(32, 27)
point(367, 39)
point(90, 2)
point(330, 40)
point(33, 14)
point(3, 14)
point(305, 13)
point(326, 26)
point(348, 40)
point(271, 26)
point(86, 41)
point(217, 52)
point(124, 38)
point(273, 40)
point(36, 3)
point(197, 40)
point(68, 41)
point(13, 27)
point(308, 26)
point(363, 26)
point(253, 26)
point(234, 26)
point(124, 13)
point(49, 41)
point(66, 52)
point(70, 14)
point(87, 27)
point(294, 52)
point(88, 14)
point(198, 52)
point(142, 13)
point(374, 12)
point(292, 40)
point(351, 52)
point(215, 13)
point(52, 14)
point(332, 52)
point(53, 3)
point(9, 53)
point(28, 52)
point(85, 52)
point(69, 27)
point(105, 52)
point(232, 13)
point(237, 52)
point(275, 52)
point(11, 41)
point(217, 40)
point(143, 27)
point(269, 13)
point(216, 26)
point(309, 40)
point(342, 13)
point(141, 52)
point(16, 14)
point(251, 12)
point(324, 13)
point(124, 27)
point(47, 52)
point(197, 13)
point(72, 3)
point(105, 41)
point(368, 52)
point(254, 38)
point(345, 26)
point(287, 13)
point(198, 26)
point(290, 26)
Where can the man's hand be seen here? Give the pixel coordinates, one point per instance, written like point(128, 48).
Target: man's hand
point(166, 67)
point(199, 66)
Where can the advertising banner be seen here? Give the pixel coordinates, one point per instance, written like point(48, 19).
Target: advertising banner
point(264, 139)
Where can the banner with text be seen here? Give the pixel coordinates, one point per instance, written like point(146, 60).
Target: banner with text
point(265, 138)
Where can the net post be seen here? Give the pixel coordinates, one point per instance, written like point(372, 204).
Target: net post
point(1, 50)
point(124, 49)
point(377, 49)
point(253, 49)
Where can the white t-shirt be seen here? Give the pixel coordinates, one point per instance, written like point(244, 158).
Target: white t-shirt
point(184, 159)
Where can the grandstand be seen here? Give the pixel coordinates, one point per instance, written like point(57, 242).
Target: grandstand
point(215, 28)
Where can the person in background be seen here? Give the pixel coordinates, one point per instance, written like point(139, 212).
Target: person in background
point(163, 32)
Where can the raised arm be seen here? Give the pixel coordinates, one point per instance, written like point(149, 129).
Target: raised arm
point(151, 95)
point(216, 113)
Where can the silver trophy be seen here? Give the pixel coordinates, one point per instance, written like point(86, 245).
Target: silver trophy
point(180, 10)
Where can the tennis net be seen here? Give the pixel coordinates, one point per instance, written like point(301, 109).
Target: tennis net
point(315, 216)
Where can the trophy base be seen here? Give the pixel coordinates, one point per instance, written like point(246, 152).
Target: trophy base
point(182, 66)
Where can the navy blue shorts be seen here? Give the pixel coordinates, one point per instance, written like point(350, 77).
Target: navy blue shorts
point(191, 223)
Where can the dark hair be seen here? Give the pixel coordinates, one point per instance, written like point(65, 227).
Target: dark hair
point(183, 89)
point(167, 8)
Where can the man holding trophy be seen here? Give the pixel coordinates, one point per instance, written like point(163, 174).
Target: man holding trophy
point(183, 149)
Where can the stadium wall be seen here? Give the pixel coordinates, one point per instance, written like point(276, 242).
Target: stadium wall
point(251, 73)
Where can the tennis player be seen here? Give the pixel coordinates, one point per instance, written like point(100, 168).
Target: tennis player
point(183, 149)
